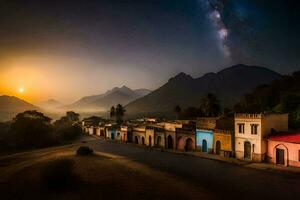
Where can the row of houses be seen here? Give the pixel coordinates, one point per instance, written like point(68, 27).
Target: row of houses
point(253, 137)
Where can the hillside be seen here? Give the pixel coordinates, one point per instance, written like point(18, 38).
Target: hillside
point(10, 106)
point(281, 96)
point(229, 85)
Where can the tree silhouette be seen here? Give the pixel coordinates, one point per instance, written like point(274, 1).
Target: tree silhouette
point(32, 129)
point(112, 112)
point(72, 116)
point(210, 106)
point(177, 110)
point(67, 128)
point(120, 111)
point(280, 96)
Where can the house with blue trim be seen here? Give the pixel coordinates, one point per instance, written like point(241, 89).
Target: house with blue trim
point(204, 140)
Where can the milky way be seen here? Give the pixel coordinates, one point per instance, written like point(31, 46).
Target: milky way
point(215, 15)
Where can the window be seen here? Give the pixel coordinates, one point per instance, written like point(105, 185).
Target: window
point(254, 129)
point(241, 128)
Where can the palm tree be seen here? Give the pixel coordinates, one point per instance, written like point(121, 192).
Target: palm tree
point(112, 112)
point(177, 110)
point(120, 111)
point(210, 105)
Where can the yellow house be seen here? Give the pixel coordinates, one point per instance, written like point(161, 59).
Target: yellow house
point(223, 142)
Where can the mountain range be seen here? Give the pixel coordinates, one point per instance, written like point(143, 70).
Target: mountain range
point(229, 85)
point(122, 95)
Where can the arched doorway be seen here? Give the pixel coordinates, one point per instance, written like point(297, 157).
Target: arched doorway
point(158, 141)
point(204, 146)
point(170, 142)
point(136, 140)
point(218, 147)
point(247, 150)
point(280, 156)
point(189, 144)
point(143, 141)
point(180, 143)
point(150, 141)
point(101, 132)
point(124, 137)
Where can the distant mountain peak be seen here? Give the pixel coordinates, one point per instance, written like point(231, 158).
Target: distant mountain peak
point(116, 95)
point(52, 101)
point(181, 76)
point(243, 67)
point(125, 87)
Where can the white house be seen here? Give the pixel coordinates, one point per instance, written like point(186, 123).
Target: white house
point(251, 131)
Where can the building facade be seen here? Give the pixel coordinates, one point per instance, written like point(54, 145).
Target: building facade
point(223, 142)
point(204, 140)
point(251, 131)
point(150, 137)
point(126, 134)
point(284, 149)
point(139, 135)
point(170, 134)
point(185, 137)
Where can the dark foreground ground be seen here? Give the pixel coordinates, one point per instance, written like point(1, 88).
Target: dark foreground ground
point(122, 171)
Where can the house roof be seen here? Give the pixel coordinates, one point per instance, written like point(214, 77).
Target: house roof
point(286, 137)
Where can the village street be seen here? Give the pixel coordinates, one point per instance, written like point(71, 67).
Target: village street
point(221, 179)
point(127, 171)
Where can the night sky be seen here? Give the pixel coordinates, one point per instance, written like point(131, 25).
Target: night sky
point(67, 49)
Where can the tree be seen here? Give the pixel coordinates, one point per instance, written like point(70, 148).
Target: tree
point(120, 111)
point(210, 106)
point(192, 113)
point(112, 112)
point(31, 129)
point(70, 119)
point(72, 116)
point(67, 127)
point(281, 96)
point(227, 112)
point(177, 110)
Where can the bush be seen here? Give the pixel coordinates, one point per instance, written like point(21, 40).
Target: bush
point(83, 151)
point(67, 132)
point(59, 175)
point(31, 129)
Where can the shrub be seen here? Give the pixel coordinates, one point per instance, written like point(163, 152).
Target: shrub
point(83, 151)
point(59, 175)
point(31, 129)
point(67, 132)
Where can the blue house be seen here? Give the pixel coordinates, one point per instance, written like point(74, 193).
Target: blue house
point(204, 140)
point(111, 133)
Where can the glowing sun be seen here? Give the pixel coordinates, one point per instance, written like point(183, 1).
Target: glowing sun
point(21, 90)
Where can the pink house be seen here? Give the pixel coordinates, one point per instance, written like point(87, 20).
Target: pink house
point(284, 149)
